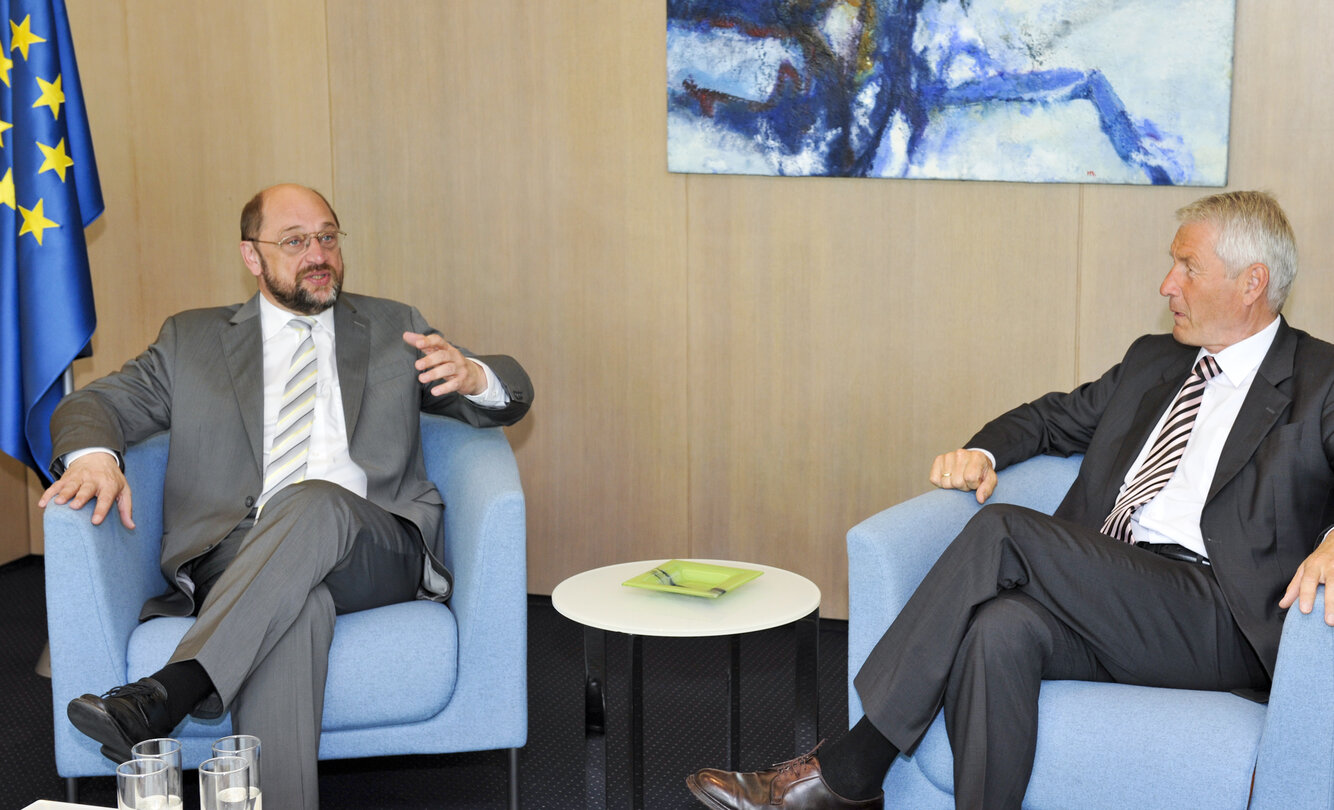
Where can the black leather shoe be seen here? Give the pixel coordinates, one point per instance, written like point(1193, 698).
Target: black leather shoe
point(793, 785)
point(122, 717)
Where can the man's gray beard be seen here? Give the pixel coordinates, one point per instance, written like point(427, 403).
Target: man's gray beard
point(296, 298)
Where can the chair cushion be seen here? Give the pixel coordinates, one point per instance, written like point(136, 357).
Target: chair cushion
point(412, 649)
point(1092, 736)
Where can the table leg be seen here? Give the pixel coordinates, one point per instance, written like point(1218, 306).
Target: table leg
point(807, 715)
point(637, 720)
point(734, 701)
point(595, 717)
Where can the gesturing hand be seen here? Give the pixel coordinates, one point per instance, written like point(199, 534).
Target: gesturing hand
point(441, 361)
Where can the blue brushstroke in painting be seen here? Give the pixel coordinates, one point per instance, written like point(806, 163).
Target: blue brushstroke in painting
point(767, 71)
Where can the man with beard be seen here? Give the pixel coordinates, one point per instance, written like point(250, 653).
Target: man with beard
point(295, 488)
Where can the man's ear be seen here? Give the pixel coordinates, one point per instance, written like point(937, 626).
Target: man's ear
point(1256, 280)
point(251, 258)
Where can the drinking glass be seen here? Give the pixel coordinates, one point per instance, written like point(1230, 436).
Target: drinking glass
point(224, 784)
point(245, 746)
point(168, 751)
point(141, 784)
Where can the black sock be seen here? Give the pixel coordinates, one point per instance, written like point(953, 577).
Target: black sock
point(855, 764)
point(186, 683)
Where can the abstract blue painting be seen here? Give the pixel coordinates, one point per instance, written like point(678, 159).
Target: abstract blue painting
point(1084, 91)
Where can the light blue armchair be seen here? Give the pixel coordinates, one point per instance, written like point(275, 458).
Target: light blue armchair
point(447, 679)
point(1105, 745)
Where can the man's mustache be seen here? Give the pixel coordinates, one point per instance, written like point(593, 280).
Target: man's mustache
point(323, 267)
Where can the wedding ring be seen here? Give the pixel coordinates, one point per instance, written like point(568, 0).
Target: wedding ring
point(947, 475)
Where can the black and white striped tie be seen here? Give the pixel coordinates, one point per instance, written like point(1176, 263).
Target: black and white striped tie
point(1163, 458)
point(291, 444)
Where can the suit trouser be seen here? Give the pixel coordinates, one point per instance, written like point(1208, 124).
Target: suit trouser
point(1019, 597)
point(264, 628)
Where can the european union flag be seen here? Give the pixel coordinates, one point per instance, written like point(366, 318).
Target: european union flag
point(48, 195)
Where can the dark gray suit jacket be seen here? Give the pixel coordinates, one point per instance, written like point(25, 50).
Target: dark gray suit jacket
point(1272, 494)
point(202, 379)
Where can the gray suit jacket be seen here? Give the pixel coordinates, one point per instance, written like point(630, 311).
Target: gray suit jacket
point(1272, 494)
point(202, 379)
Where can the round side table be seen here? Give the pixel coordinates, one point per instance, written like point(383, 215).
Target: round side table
point(597, 600)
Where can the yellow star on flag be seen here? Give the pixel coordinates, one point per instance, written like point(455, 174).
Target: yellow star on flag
point(57, 160)
point(7, 189)
point(35, 222)
point(23, 37)
point(52, 96)
point(4, 125)
point(5, 64)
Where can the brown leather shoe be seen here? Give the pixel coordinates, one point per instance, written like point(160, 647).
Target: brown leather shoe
point(793, 785)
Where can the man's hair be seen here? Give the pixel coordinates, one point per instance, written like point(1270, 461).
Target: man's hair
point(252, 215)
point(1251, 228)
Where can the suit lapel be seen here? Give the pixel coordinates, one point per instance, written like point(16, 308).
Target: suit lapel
point(243, 348)
point(352, 346)
point(1263, 406)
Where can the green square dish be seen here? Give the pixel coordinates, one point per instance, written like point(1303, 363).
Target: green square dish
point(693, 578)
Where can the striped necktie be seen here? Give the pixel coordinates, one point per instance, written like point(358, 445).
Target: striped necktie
point(1163, 458)
point(291, 442)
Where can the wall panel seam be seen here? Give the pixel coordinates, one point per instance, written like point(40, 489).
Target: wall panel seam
point(328, 86)
point(690, 353)
point(1077, 364)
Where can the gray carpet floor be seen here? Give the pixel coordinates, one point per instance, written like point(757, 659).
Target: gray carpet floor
point(685, 705)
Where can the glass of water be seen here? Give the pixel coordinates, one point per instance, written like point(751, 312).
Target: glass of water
point(245, 746)
point(224, 784)
point(169, 751)
point(141, 784)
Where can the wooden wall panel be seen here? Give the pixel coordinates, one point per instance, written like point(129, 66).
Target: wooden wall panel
point(101, 40)
point(843, 333)
point(501, 165)
point(1281, 131)
point(227, 98)
point(193, 108)
point(14, 534)
point(725, 366)
point(1125, 235)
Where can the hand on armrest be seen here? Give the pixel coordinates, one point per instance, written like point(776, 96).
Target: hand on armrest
point(93, 477)
point(1315, 570)
point(966, 469)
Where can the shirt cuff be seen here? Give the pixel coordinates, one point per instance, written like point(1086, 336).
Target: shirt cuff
point(986, 453)
point(494, 396)
point(74, 455)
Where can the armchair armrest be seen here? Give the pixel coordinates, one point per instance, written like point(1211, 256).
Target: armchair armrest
point(889, 553)
point(97, 579)
point(486, 549)
point(1295, 765)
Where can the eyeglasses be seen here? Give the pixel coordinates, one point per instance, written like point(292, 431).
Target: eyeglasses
point(295, 244)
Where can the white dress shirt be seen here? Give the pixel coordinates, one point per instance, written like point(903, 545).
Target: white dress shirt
point(1173, 515)
point(328, 457)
